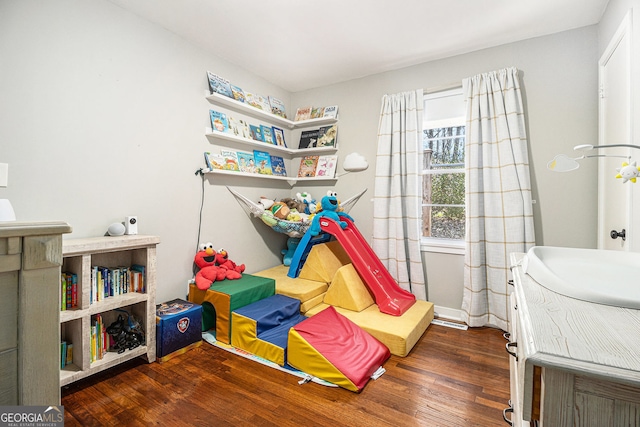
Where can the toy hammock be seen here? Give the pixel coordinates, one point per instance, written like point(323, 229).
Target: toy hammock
point(290, 228)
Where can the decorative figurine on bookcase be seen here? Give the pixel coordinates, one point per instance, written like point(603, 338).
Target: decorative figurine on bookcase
point(208, 271)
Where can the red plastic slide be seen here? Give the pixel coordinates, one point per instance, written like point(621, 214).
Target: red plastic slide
point(390, 298)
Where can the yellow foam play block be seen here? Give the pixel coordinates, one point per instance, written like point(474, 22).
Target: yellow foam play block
point(310, 303)
point(348, 290)
point(301, 289)
point(323, 262)
point(398, 333)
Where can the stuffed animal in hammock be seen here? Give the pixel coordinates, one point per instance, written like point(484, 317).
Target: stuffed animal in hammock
point(330, 209)
point(209, 272)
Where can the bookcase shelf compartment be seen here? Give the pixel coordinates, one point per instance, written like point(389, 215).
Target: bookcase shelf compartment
point(290, 180)
point(79, 256)
point(241, 107)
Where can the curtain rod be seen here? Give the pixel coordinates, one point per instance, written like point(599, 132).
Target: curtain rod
point(442, 88)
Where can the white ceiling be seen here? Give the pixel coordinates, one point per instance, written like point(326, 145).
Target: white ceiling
point(302, 44)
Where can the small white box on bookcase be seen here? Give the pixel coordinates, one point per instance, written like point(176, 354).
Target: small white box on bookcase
point(131, 225)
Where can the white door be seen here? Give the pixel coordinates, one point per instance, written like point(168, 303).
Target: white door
point(614, 196)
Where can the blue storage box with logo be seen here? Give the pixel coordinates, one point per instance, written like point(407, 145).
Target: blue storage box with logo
point(178, 328)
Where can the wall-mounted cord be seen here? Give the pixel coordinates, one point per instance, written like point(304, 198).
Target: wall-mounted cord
point(201, 173)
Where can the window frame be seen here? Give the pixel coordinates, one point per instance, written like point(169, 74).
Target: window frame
point(437, 244)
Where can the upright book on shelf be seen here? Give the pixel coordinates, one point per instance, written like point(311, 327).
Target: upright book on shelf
point(331, 111)
point(308, 138)
point(219, 85)
point(230, 160)
point(263, 162)
point(303, 113)
point(246, 162)
point(219, 121)
point(237, 93)
point(213, 160)
point(308, 166)
point(277, 107)
point(277, 166)
point(327, 166)
point(327, 136)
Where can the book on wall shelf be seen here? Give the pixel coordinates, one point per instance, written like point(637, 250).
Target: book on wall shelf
point(246, 162)
point(267, 134)
point(303, 113)
point(252, 100)
point(263, 162)
point(213, 160)
point(237, 93)
point(331, 111)
point(277, 166)
point(327, 136)
point(256, 133)
point(317, 112)
point(277, 107)
point(219, 85)
point(327, 166)
point(230, 160)
point(219, 121)
point(308, 138)
point(308, 166)
point(278, 137)
point(263, 103)
point(239, 127)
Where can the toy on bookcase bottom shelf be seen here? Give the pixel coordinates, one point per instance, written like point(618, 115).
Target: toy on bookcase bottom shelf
point(290, 228)
point(126, 333)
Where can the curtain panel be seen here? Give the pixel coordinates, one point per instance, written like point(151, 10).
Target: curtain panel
point(497, 195)
point(397, 200)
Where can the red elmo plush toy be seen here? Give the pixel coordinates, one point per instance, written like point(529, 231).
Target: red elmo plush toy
point(209, 272)
point(222, 260)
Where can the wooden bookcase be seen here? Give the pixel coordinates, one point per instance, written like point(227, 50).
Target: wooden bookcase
point(79, 256)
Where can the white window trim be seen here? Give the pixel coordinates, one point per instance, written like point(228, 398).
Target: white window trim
point(443, 246)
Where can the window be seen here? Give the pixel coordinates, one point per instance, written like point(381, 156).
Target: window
point(443, 209)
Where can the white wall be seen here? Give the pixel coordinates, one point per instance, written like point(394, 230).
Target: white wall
point(103, 116)
point(559, 80)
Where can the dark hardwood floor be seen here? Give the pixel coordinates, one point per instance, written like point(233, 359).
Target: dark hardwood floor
point(451, 378)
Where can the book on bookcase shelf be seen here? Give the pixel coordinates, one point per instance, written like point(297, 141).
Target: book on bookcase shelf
point(327, 165)
point(252, 100)
point(263, 102)
point(69, 291)
point(113, 281)
point(277, 166)
point(308, 166)
point(246, 163)
point(263, 162)
point(230, 160)
point(303, 113)
point(219, 85)
point(66, 354)
point(219, 121)
point(308, 138)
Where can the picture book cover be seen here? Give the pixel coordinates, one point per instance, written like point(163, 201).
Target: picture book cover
point(219, 121)
point(236, 128)
point(327, 166)
point(303, 113)
point(213, 161)
point(278, 136)
point(317, 112)
point(328, 136)
point(263, 162)
point(237, 93)
point(308, 166)
point(267, 135)
point(251, 100)
point(308, 138)
point(219, 85)
point(246, 162)
point(230, 160)
point(263, 103)
point(277, 166)
point(331, 111)
point(256, 133)
point(277, 107)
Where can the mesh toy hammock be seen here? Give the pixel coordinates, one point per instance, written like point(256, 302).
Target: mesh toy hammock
point(290, 228)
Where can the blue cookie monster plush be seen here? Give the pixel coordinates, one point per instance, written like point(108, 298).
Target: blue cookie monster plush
point(330, 208)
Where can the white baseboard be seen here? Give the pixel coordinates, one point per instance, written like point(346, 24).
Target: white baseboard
point(447, 313)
